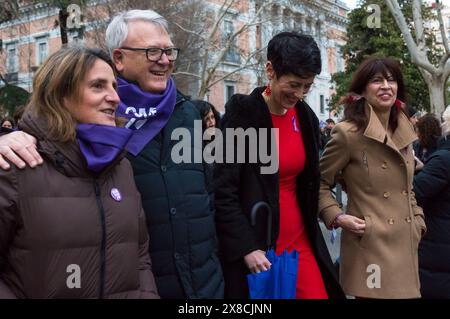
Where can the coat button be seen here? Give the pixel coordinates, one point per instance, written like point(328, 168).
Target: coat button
point(408, 219)
point(384, 165)
point(390, 221)
point(173, 211)
point(386, 194)
point(163, 168)
point(405, 192)
point(177, 256)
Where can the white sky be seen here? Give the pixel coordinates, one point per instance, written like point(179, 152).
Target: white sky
point(352, 3)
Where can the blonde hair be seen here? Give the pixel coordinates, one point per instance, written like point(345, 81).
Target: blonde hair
point(58, 78)
point(446, 122)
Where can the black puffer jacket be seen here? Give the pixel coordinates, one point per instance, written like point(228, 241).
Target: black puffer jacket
point(179, 213)
point(432, 188)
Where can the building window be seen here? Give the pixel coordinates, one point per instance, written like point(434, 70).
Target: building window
point(230, 90)
point(42, 50)
point(318, 30)
point(231, 55)
point(11, 61)
point(339, 66)
point(322, 104)
point(308, 27)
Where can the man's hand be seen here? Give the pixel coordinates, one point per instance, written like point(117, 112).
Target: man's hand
point(351, 223)
point(20, 149)
point(256, 261)
point(419, 164)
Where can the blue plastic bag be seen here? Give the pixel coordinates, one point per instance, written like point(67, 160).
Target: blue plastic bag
point(279, 282)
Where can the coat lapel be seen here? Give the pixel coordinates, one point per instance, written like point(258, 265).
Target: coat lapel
point(404, 135)
point(401, 138)
point(263, 119)
point(374, 129)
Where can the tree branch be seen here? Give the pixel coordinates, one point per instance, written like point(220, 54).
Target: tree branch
point(189, 31)
point(219, 17)
point(244, 66)
point(418, 56)
point(188, 74)
point(446, 70)
point(418, 24)
point(443, 35)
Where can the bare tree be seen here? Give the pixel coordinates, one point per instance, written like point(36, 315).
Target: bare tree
point(14, 10)
point(435, 76)
point(216, 46)
point(9, 10)
point(189, 13)
point(197, 28)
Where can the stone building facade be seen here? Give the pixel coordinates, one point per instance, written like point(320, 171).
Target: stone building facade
point(29, 39)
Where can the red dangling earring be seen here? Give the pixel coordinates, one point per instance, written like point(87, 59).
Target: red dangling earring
point(268, 90)
point(398, 104)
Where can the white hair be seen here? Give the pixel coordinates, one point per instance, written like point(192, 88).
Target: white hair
point(446, 121)
point(117, 30)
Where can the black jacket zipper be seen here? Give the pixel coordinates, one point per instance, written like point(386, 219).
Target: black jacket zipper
point(103, 244)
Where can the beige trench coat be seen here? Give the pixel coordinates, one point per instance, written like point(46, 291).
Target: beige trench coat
point(378, 172)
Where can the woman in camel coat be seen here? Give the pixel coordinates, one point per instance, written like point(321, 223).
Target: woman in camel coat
point(371, 152)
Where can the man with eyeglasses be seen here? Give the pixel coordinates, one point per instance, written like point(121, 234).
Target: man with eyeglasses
point(179, 213)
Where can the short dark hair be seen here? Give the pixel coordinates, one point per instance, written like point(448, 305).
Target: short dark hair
point(354, 112)
point(203, 108)
point(294, 53)
point(330, 121)
point(5, 119)
point(428, 130)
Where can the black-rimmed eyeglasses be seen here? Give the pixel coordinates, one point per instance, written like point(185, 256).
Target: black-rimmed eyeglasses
point(155, 54)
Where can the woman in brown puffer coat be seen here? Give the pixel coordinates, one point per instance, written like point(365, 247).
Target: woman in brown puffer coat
point(74, 226)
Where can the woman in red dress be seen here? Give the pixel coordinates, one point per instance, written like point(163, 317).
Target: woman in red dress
point(291, 191)
point(292, 234)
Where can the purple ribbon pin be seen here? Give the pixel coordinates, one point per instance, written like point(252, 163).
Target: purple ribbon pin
point(294, 124)
point(115, 194)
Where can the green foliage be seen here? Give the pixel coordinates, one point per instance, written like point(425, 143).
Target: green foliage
point(447, 92)
point(385, 41)
point(11, 97)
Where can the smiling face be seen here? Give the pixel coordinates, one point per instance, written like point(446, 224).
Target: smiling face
point(7, 124)
point(98, 98)
point(209, 119)
point(134, 66)
point(381, 92)
point(288, 89)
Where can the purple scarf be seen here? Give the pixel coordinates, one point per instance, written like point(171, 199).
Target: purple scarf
point(101, 144)
point(147, 113)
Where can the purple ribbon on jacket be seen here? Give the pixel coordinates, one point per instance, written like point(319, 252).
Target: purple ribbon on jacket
point(147, 113)
point(101, 144)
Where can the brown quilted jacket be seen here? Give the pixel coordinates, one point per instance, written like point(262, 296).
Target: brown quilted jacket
point(63, 235)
